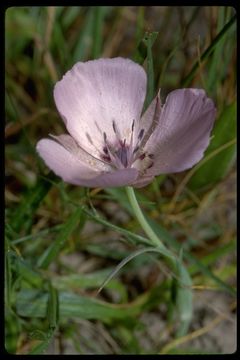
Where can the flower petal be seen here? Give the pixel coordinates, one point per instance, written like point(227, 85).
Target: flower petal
point(71, 145)
point(68, 164)
point(99, 95)
point(183, 131)
point(123, 177)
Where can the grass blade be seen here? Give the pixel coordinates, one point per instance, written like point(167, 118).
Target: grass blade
point(52, 316)
point(89, 281)
point(139, 26)
point(22, 218)
point(98, 19)
point(187, 80)
point(184, 299)
point(144, 51)
point(52, 251)
point(52, 311)
point(132, 256)
point(84, 40)
point(149, 40)
point(145, 44)
point(34, 304)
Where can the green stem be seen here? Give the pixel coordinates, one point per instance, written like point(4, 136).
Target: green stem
point(141, 219)
point(183, 296)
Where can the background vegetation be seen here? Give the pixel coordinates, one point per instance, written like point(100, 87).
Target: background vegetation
point(62, 241)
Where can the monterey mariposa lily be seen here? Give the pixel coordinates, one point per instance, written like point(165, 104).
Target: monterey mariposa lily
point(110, 142)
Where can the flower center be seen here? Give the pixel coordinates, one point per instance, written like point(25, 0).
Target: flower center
point(118, 155)
point(123, 155)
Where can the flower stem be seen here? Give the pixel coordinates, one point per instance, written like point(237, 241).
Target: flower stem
point(141, 219)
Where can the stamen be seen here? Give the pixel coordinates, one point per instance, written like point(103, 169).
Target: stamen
point(117, 154)
point(122, 143)
point(140, 135)
point(142, 156)
point(110, 153)
point(122, 153)
point(105, 150)
point(97, 126)
point(133, 124)
point(106, 158)
point(114, 126)
point(89, 138)
point(151, 165)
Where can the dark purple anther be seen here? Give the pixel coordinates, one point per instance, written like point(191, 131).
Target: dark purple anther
point(133, 123)
point(151, 165)
point(122, 153)
point(89, 138)
point(106, 158)
point(105, 150)
point(142, 156)
point(140, 135)
point(114, 126)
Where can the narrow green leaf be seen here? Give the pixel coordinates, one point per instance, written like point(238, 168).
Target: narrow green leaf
point(33, 303)
point(52, 316)
point(52, 309)
point(145, 44)
point(103, 250)
point(37, 235)
point(70, 15)
point(98, 19)
point(132, 256)
point(144, 51)
point(215, 70)
point(92, 280)
point(139, 26)
point(184, 299)
point(23, 216)
point(149, 40)
point(218, 166)
point(12, 331)
point(187, 80)
point(52, 251)
point(37, 334)
point(25, 271)
point(40, 348)
point(84, 42)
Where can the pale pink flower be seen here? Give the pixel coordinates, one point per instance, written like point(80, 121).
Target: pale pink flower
point(110, 143)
